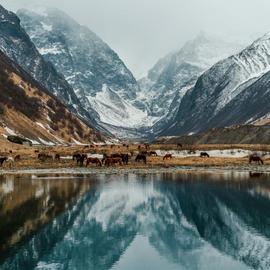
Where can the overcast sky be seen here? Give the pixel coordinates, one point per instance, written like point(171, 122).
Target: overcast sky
point(142, 31)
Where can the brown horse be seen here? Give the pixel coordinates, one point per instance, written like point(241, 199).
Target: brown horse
point(167, 156)
point(17, 158)
point(57, 157)
point(256, 159)
point(179, 145)
point(44, 157)
point(147, 146)
point(110, 161)
point(93, 161)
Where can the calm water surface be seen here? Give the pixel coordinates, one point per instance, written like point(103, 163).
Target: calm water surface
point(130, 222)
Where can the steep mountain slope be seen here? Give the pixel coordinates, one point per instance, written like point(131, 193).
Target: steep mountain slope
point(15, 43)
point(169, 80)
point(101, 80)
point(233, 91)
point(27, 109)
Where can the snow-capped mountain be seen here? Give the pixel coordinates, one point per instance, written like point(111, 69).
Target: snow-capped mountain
point(169, 80)
point(16, 44)
point(233, 91)
point(101, 81)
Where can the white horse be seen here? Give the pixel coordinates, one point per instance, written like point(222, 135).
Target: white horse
point(10, 162)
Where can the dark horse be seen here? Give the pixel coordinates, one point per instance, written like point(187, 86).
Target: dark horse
point(153, 154)
point(256, 159)
point(79, 158)
point(167, 156)
point(93, 161)
point(125, 158)
point(141, 157)
point(2, 160)
point(204, 154)
point(179, 145)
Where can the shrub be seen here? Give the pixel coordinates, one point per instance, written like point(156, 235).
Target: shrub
point(18, 140)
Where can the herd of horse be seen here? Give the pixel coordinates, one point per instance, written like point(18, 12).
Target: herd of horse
point(82, 159)
point(107, 160)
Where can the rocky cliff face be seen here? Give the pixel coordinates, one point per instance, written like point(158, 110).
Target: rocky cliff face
point(101, 81)
point(17, 45)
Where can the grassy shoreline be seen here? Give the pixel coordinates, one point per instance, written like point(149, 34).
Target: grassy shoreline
point(138, 170)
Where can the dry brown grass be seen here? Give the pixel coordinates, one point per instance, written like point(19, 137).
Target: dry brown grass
point(29, 155)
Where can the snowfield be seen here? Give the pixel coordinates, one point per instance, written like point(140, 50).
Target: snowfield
point(232, 153)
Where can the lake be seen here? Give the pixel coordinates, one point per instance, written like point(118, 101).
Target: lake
point(211, 220)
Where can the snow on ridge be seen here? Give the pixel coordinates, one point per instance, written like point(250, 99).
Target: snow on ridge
point(118, 112)
point(46, 27)
point(253, 62)
point(50, 50)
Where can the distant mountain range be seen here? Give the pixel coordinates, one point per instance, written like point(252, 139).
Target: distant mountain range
point(208, 83)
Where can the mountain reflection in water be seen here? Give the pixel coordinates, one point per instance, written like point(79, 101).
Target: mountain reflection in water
point(166, 221)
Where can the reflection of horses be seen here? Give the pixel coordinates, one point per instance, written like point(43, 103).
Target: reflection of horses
point(2, 160)
point(141, 157)
point(167, 156)
point(255, 174)
point(93, 161)
point(204, 154)
point(153, 154)
point(109, 161)
point(256, 159)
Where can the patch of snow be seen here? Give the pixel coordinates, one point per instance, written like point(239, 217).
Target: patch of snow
point(46, 142)
point(50, 50)
point(10, 131)
point(41, 125)
point(46, 27)
point(230, 153)
point(118, 112)
point(77, 142)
